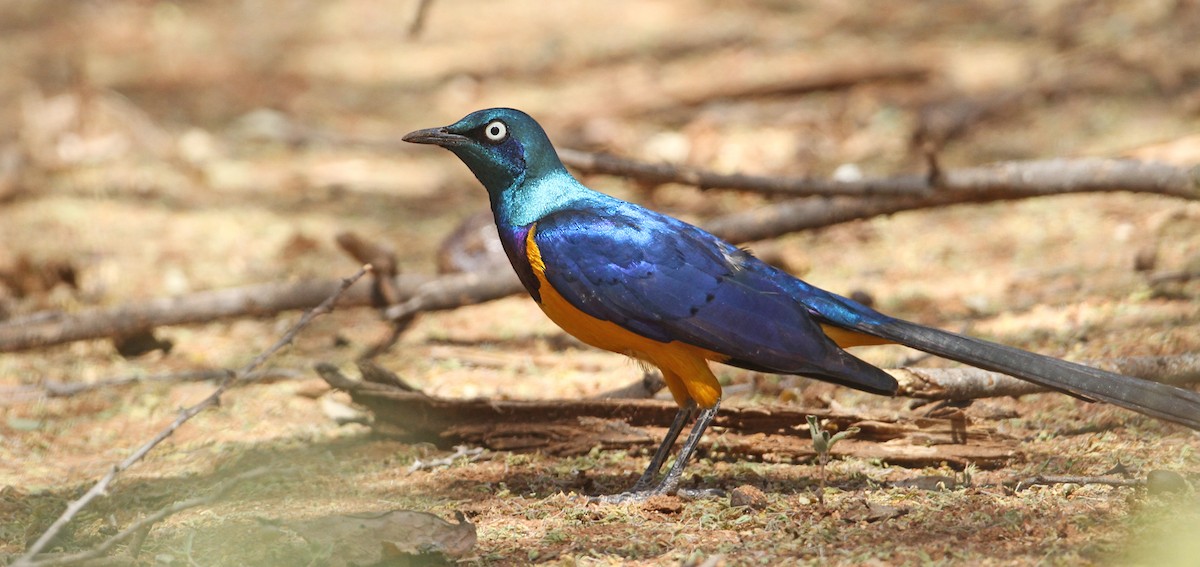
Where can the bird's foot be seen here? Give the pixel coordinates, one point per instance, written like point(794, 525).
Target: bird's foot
point(626, 497)
point(643, 494)
point(700, 493)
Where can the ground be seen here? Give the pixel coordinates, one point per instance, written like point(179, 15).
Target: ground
point(162, 148)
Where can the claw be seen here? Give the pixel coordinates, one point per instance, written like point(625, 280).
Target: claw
point(625, 497)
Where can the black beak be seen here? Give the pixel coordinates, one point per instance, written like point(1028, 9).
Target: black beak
point(435, 136)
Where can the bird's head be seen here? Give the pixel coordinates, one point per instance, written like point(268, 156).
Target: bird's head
point(502, 146)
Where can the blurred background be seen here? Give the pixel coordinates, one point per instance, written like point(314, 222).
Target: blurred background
point(153, 148)
point(208, 142)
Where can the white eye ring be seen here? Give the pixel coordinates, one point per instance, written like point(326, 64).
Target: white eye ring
point(496, 131)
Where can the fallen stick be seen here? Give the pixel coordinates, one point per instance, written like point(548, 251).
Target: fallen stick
point(660, 173)
point(1002, 182)
point(973, 383)
point(1047, 480)
point(213, 399)
point(46, 329)
point(417, 23)
point(1179, 276)
point(457, 290)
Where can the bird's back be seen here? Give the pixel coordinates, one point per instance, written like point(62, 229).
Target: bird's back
point(624, 278)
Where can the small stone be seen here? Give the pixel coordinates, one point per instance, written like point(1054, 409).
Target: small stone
point(664, 504)
point(749, 496)
point(1146, 259)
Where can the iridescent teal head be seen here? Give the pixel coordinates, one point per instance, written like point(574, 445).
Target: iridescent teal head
point(502, 146)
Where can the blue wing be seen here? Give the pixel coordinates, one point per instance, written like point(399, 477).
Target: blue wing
point(670, 281)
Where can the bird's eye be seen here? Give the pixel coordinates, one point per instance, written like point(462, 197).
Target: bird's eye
point(496, 131)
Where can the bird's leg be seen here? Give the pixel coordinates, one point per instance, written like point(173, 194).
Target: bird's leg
point(664, 449)
point(671, 481)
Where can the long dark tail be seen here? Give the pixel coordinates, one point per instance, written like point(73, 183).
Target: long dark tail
point(1143, 396)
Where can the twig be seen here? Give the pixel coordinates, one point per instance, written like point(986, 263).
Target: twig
point(659, 173)
point(46, 329)
point(143, 525)
point(1001, 182)
point(1107, 481)
point(1159, 278)
point(213, 399)
point(384, 292)
point(325, 307)
point(973, 383)
point(471, 454)
point(382, 259)
point(449, 292)
point(1004, 181)
point(418, 20)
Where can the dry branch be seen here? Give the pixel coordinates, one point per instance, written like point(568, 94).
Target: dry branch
point(457, 290)
point(1047, 480)
point(384, 292)
point(1179, 276)
point(47, 329)
point(973, 383)
point(574, 427)
point(659, 173)
point(213, 399)
point(418, 19)
point(382, 259)
point(1001, 182)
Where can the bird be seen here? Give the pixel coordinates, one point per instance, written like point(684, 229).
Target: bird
point(631, 280)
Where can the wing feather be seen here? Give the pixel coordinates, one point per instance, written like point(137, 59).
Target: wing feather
point(670, 281)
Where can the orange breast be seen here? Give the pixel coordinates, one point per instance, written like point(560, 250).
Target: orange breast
point(684, 366)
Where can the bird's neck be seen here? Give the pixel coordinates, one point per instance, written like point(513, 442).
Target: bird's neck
point(534, 197)
point(519, 207)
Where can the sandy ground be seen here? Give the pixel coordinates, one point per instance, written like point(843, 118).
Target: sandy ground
point(161, 148)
